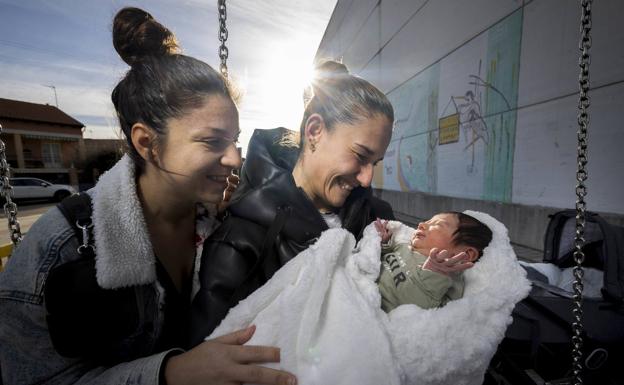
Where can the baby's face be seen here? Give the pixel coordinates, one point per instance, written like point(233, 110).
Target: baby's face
point(436, 232)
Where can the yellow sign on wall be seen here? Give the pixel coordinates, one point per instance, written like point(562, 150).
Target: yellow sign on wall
point(448, 129)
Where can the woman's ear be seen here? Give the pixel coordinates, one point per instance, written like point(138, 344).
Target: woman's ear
point(473, 253)
point(142, 140)
point(314, 128)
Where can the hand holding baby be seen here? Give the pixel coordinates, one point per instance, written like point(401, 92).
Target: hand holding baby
point(440, 262)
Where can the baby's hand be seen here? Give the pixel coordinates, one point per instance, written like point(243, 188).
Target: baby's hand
point(382, 230)
point(439, 262)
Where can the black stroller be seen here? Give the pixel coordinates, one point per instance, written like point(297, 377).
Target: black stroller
point(537, 345)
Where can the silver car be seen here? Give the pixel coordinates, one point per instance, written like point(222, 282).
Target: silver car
point(33, 188)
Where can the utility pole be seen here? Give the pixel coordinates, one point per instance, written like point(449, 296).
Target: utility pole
point(54, 89)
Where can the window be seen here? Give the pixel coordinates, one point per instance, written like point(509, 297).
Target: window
point(23, 182)
point(51, 153)
point(32, 182)
point(16, 182)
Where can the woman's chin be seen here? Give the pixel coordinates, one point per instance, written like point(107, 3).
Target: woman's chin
point(335, 204)
point(338, 197)
point(211, 197)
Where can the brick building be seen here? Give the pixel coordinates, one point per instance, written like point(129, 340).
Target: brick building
point(41, 141)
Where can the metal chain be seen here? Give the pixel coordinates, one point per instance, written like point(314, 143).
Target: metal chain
point(581, 190)
point(223, 36)
point(6, 191)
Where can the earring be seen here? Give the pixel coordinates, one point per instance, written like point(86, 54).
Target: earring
point(312, 146)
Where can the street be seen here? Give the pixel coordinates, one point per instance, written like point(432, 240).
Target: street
point(27, 214)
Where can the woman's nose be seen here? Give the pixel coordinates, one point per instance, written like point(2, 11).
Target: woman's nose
point(231, 157)
point(421, 226)
point(365, 176)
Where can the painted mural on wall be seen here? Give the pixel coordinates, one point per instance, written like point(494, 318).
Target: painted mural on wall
point(410, 161)
point(456, 121)
point(500, 106)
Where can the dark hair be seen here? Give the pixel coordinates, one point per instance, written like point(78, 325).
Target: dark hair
point(323, 70)
point(340, 97)
point(161, 83)
point(471, 232)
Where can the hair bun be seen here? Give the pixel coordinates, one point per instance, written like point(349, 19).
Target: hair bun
point(330, 69)
point(136, 34)
point(324, 71)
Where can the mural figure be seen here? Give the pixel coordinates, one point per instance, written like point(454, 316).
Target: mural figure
point(481, 107)
point(471, 119)
point(472, 123)
point(410, 162)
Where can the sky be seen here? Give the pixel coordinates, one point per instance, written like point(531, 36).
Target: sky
point(67, 44)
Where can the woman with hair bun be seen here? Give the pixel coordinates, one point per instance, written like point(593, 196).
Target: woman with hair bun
point(292, 189)
point(99, 290)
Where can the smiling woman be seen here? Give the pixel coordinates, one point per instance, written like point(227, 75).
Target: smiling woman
point(290, 194)
point(115, 265)
point(199, 153)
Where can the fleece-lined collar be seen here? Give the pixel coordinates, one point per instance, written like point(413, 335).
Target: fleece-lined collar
point(124, 255)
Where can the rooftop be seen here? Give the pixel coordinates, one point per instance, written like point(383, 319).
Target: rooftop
point(41, 113)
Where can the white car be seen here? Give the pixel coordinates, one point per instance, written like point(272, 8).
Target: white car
point(33, 188)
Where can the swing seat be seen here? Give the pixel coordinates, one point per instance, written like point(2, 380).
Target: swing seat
point(539, 339)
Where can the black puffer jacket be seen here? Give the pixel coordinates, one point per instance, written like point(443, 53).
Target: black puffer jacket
point(269, 221)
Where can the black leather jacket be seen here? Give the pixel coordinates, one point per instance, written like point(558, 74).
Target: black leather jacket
point(269, 221)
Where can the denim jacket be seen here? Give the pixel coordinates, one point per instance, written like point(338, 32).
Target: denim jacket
point(124, 259)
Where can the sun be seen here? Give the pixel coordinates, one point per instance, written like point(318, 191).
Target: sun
point(274, 86)
point(283, 78)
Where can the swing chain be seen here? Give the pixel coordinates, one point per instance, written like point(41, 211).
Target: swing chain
point(6, 191)
point(581, 190)
point(223, 36)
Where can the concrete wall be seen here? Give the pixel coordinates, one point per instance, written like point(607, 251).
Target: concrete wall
point(504, 74)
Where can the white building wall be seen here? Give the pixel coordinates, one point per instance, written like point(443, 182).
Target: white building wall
point(518, 60)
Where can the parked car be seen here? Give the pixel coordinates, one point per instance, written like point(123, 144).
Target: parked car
point(33, 188)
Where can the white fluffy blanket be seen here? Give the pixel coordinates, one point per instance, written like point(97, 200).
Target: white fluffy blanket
point(323, 310)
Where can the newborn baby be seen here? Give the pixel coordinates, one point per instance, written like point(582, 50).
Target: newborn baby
point(427, 272)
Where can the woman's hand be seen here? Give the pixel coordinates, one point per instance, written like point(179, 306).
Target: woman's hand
point(439, 262)
point(225, 360)
point(232, 184)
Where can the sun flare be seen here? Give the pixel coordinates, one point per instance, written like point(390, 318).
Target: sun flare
point(278, 83)
point(287, 75)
